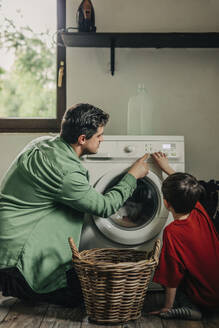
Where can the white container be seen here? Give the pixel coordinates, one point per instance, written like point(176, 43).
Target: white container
point(139, 118)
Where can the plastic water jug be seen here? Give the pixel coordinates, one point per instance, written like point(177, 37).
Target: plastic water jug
point(139, 118)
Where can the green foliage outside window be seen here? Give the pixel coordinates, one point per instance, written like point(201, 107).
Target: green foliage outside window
point(29, 88)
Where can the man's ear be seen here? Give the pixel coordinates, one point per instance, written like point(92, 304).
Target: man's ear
point(82, 139)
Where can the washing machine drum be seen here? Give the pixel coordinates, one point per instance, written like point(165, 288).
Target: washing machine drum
point(142, 216)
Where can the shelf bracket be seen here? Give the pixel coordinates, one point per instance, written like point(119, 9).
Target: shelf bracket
point(112, 57)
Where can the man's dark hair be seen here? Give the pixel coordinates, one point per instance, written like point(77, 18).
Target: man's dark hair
point(82, 119)
point(182, 191)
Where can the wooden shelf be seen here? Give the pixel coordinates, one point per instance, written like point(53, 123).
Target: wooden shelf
point(139, 40)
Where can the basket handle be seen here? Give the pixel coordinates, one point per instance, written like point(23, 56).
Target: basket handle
point(75, 252)
point(156, 250)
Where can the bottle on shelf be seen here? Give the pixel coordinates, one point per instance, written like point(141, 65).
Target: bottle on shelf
point(139, 118)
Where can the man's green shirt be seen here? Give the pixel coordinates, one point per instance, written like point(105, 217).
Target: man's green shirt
point(44, 196)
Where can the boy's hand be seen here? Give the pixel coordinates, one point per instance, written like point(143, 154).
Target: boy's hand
point(169, 301)
point(164, 309)
point(162, 161)
point(140, 168)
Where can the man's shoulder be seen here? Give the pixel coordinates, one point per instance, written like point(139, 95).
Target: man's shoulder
point(37, 141)
point(50, 153)
point(60, 155)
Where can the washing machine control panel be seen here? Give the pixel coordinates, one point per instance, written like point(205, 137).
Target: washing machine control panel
point(116, 149)
point(173, 150)
point(169, 148)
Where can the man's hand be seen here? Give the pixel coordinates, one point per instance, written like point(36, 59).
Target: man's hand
point(162, 161)
point(140, 168)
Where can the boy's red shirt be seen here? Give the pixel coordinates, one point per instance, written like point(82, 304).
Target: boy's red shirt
point(190, 256)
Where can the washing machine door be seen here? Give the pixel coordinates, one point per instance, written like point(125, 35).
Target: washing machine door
point(142, 216)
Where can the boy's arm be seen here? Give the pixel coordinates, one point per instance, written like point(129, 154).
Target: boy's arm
point(169, 300)
point(162, 161)
point(169, 297)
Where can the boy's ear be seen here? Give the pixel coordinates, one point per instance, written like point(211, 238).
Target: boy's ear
point(81, 139)
point(166, 204)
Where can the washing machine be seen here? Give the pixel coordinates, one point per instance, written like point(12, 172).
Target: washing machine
point(143, 217)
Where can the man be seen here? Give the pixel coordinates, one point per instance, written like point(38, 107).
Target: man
point(44, 196)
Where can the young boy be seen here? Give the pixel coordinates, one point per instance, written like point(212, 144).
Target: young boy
point(189, 260)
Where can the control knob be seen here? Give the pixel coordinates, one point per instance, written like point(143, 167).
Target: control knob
point(129, 149)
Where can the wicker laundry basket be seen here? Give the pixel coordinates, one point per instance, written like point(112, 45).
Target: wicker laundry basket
point(114, 281)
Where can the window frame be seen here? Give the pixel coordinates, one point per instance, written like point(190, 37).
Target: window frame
point(42, 124)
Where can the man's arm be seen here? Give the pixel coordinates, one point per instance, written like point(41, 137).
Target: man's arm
point(77, 193)
point(162, 161)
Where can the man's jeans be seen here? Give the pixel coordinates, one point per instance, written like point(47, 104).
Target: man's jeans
point(12, 283)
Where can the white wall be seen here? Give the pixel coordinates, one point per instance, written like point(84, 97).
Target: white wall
point(183, 83)
point(10, 146)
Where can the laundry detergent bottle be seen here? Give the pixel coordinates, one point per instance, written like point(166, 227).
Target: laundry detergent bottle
point(139, 118)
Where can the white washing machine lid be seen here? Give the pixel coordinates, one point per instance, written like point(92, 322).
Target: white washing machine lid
point(139, 234)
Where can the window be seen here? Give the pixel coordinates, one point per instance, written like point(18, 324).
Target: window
point(30, 100)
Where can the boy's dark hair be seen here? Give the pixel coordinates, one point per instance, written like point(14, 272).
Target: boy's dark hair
point(182, 191)
point(82, 119)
